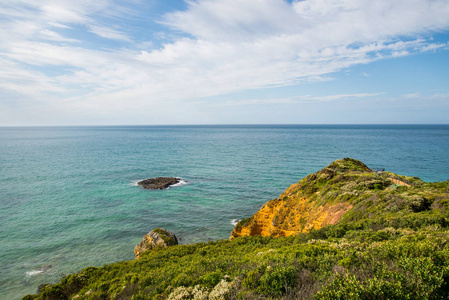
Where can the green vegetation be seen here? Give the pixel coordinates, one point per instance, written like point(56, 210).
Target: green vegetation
point(393, 244)
point(373, 195)
point(169, 241)
point(243, 223)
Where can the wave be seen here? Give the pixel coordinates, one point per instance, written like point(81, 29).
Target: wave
point(33, 272)
point(39, 270)
point(180, 183)
point(234, 221)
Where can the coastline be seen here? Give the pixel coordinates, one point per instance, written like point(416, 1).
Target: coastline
point(164, 270)
point(94, 216)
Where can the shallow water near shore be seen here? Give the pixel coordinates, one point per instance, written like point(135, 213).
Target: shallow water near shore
point(69, 197)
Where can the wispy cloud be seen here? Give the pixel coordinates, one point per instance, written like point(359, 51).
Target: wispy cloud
point(435, 46)
point(297, 99)
point(340, 96)
point(411, 96)
point(108, 33)
point(50, 35)
point(222, 47)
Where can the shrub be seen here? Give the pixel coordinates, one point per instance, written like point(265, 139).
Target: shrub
point(342, 287)
point(418, 203)
point(242, 223)
point(181, 280)
point(220, 291)
point(197, 292)
point(277, 279)
point(211, 279)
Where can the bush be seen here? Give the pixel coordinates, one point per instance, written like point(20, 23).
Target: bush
point(181, 280)
point(418, 203)
point(242, 223)
point(211, 279)
point(276, 280)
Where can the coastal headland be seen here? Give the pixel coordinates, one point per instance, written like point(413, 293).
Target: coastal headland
point(323, 198)
point(344, 232)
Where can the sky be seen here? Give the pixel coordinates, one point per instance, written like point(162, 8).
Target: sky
point(160, 62)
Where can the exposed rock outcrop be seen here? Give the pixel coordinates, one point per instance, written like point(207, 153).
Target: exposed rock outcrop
point(282, 218)
point(158, 237)
point(158, 183)
point(319, 199)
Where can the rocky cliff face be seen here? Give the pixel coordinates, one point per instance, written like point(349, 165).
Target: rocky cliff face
point(156, 238)
point(285, 218)
point(317, 200)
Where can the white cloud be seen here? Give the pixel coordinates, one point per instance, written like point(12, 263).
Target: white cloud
point(434, 46)
point(298, 99)
point(412, 96)
point(108, 33)
point(227, 46)
point(440, 96)
point(341, 96)
point(54, 36)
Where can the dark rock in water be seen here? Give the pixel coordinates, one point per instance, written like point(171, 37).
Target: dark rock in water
point(45, 268)
point(158, 183)
point(158, 237)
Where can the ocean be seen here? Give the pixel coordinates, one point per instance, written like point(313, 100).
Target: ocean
point(69, 198)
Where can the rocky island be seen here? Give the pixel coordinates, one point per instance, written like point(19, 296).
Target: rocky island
point(344, 232)
point(158, 183)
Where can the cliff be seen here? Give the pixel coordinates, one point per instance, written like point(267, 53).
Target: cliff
point(323, 198)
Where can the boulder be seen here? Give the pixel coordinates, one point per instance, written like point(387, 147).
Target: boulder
point(158, 237)
point(158, 183)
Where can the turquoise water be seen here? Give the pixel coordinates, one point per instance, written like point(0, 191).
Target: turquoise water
point(69, 200)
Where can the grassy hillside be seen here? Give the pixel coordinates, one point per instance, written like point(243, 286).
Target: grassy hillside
point(392, 243)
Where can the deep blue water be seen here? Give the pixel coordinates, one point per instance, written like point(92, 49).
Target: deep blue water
point(69, 200)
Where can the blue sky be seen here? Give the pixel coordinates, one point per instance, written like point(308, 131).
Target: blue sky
point(141, 62)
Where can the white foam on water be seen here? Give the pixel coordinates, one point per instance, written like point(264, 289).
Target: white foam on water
point(33, 272)
point(40, 270)
point(134, 182)
point(180, 183)
point(235, 221)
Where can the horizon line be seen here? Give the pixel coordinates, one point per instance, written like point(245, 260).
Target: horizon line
point(231, 124)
